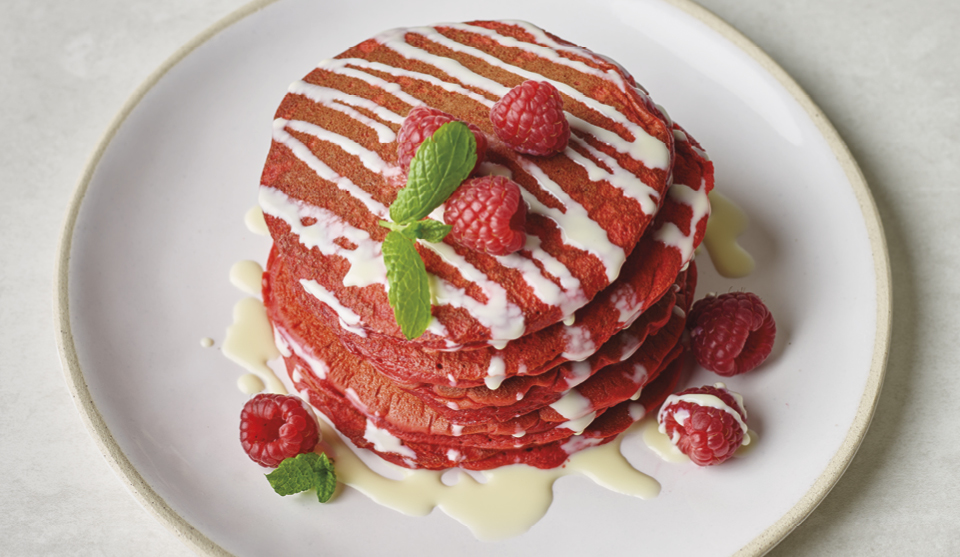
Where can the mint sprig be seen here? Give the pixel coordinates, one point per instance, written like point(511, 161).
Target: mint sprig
point(442, 162)
point(304, 472)
point(427, 229)
point(409, 293)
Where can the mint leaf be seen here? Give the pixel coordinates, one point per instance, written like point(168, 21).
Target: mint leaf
point(326, 478)
point(442, 162)
point(409, 288)
point(427, 229)
point(303, 472)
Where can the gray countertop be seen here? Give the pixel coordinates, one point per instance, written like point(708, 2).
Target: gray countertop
point(887, 74)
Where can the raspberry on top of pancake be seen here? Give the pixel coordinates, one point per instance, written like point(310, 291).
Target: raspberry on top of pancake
point(332, 173)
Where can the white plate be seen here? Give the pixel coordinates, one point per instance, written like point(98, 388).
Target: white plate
point(157, 223)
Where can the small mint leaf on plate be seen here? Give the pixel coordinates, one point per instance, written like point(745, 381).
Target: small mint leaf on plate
point(409, 288)
point(304, 472)
point(442, 162)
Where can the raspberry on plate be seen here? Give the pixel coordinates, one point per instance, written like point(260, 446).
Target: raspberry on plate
point(731, 333)
point(276, 427)
point(530, 119)
point(487, 214)
point(420, 124)
point(707, 424)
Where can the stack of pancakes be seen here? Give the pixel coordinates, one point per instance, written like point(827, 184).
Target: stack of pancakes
point(530, 356)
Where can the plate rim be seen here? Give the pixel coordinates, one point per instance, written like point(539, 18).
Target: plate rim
point(761, 544)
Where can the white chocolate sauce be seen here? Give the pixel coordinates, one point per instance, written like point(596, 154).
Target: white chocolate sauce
point(576, 227)
point(496, 373)
point(749, 443)
point(304, 153)
point(578, 342)
point(624, 301)
point(288, 346)
point(250, 384)
point(573, 405)
point(247, 277)
point(384, 441)
point(344, 103)
point(366, 261)
point(206, 342)
point(255, 222)
point(369, 159)
point(579, 372)
point(348, 319)
point(659, 443)
point(670, 234)
point(510, 501)
point(249, 342)
point(244, 342)
point(727, 222)
point(504, 318)
point(549, 293)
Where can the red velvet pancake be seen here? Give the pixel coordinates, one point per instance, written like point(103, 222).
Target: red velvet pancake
point(647, 274)
point(351, 423)
point(334, 150)
point(397, 415)
point(529, 391)
point(347, 371)
point(516, 395)
point(530, 356)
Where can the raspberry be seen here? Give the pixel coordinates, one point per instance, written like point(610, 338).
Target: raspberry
point(275, 427)
point(707, 424)
point(530, 119)
point(420, 124)
point(731, 333)
point(487, 214)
